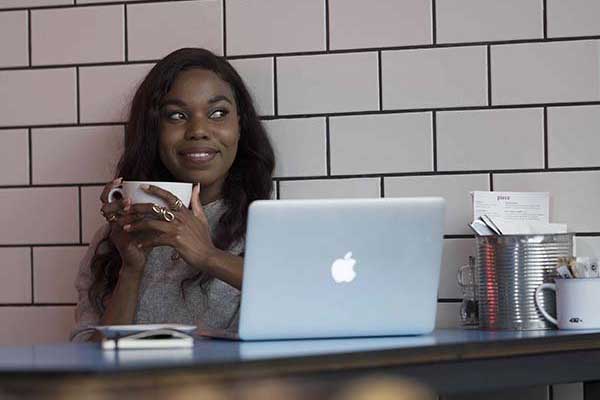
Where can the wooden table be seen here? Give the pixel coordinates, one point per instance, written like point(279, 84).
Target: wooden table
point(448, 361)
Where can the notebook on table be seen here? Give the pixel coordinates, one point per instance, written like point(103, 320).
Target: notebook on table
point(340, 268)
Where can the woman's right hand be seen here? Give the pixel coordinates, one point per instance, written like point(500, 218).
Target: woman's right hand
point(116, 213)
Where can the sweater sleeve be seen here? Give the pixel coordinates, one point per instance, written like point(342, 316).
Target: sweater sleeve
point(86, 315)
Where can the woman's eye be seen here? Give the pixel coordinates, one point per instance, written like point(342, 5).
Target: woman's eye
point(175, 116)
point(218, 114)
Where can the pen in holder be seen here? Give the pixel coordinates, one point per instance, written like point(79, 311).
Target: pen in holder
point(469, 308)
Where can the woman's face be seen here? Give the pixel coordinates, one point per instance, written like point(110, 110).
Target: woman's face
point(199, 130)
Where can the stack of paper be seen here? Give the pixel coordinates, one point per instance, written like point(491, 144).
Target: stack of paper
point(513, 213)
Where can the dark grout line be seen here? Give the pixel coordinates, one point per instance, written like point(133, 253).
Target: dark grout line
point(434, 139)
point(380, 80)
point(320, 52)
point(433, 22)
point(381, 187)
point(275, 98)
point(327, 147)
point(489, 75)
point(126, 32)
point(29, 41)
point(78, 95)
point(84, 5)
point(278, 190)
point(224, 15)
point(38, 304)
point(31, 269)
point(327, 45)
point(80, 214)
point(30, 149)
point(545, 18)
point(491, 178)
point(545, 137)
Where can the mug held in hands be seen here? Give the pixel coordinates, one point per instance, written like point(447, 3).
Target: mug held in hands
point(133, 190)
point(576, 303)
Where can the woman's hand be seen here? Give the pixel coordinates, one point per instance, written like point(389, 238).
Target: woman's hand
point(116, 213)
point(188, 233)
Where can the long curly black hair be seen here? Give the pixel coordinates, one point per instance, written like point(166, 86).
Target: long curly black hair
point(249, 179)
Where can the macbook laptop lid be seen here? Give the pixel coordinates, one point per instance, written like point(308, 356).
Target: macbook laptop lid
point(341, 268)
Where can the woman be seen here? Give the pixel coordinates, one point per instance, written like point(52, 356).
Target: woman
point(191, 120)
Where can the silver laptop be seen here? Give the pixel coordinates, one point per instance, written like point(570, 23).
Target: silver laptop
point(340, 268)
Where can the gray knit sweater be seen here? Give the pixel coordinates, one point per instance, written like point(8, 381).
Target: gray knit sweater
point(160, 299)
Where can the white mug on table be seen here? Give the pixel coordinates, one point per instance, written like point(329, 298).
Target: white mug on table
point(576, 303)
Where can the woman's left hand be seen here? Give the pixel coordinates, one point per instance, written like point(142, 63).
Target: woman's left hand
point(188, 233)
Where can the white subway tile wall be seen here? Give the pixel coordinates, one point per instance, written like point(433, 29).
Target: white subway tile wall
point(573, 17)
point(327, 83)
point(106, 91)
point(488, 20)
point(189, 23)
point(14, 37)
point(428, 78)
point(275, 26)
point(14, 157)
point(299, 146)
point(490, 139)
point(383, 23)
point(54, 273)
point(38, 97)
point(360, 100)
point(353, 188)
point(257, 74)
point(77, 35)
point(388, 143)
point(573, 136)
point(100, 145)
point(552, 72)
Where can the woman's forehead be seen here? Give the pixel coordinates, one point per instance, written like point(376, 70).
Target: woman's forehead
point(199, 84)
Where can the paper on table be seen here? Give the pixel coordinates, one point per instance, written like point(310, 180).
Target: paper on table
point(512, 206)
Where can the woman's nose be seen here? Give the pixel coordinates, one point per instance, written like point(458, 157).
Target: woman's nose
point(197, 129)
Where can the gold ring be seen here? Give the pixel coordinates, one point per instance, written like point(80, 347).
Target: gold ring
point(112, 218)
point(157, 209)
point(168, 215)
point(178, 205)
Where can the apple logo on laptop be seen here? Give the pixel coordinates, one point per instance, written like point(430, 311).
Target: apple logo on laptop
point(342, 269)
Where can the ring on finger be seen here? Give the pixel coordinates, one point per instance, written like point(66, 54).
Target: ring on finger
point(178, 205)
point(157, 209)
point(167, 215)
point(111, 218)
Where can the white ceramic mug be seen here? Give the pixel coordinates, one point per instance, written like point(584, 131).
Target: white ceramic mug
point(576, 303)
point(132, 190)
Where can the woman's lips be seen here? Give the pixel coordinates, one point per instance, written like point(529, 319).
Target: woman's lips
point(200, 157)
